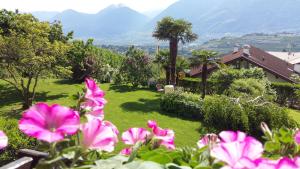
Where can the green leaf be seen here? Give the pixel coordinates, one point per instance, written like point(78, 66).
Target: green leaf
point(272, 146)
point(174, 166)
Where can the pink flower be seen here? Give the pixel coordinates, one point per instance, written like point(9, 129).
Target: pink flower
point(126, 151)
point(95, 113)
point(3, 140)
point(113, 128)
point(297, 137)
point(94, 100)
point(283, 163)
point(287, 163)
point(134, 135)
point(208, 139)
point(49, 123)
point(93, 91)
point(237, 150)
point(98, 136)
point(165, 136)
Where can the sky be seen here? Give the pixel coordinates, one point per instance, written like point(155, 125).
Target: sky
point(86, 6)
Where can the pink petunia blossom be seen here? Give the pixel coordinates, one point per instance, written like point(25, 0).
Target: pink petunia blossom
point(95, 113)
point(134, 135)
point(208, 139)
point(98, 136)
point(283, 163)
point(92, 89)
point(297, 137)
point(94, 100)
point(126, 151)
point(165, 136)
point(49, 123)
point(237, 150)
point(3, 140)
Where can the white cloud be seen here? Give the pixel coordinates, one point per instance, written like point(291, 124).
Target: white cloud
point(88, 6)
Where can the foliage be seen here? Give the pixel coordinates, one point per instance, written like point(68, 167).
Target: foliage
point(287, 93)
point(16, 141)
point(273, 115)
point(221, 113)
point(281, 142)
point(174, 31)
point(136, 67)
point(89, 60)
point(190, 84)
point(205, 58)
point(251, 88)
point(27, 53)
point(223, 78)
point(186, 105)
point(224, 113)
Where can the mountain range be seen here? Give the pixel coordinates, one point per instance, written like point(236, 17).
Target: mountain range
point(210, 19)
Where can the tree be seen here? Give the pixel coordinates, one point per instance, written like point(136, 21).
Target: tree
point(204, 58)
point(136, 67)
point(162, 59)
point(174, 31)
point(26, 53)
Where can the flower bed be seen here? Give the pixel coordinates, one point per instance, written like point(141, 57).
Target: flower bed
point(80, 138)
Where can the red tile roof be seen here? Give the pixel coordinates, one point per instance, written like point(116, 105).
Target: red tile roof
point(257, 57)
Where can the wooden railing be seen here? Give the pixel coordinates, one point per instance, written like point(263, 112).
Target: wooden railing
point(28, 159)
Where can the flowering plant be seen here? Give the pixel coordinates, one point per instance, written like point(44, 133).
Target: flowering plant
point(81, 138)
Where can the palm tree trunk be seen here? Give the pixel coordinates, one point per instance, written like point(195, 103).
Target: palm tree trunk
point(204, 80)
point(167, 69)
point(173, 55)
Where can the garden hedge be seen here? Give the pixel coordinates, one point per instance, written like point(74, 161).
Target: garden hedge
point(16, 140)
point(185, 105)
point(287, 93)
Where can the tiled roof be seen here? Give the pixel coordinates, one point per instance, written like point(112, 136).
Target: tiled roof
point(257, 57)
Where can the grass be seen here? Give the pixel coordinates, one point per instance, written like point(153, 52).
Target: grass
point(126, 107)
point(295, 114)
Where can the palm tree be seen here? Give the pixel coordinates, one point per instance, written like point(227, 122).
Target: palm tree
point(162, 59)
point(204, 58)
point(174, 31)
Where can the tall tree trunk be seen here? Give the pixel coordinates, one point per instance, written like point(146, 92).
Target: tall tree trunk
point(204, 79)
point(173, 56)
point(167, 70)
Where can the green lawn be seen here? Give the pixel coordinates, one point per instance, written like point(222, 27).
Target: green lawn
point(295, 114)
point(126, 107)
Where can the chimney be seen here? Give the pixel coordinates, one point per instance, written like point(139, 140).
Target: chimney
point(246, 50)
point(236, 48)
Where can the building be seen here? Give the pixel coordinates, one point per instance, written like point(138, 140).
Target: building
point(276, 68)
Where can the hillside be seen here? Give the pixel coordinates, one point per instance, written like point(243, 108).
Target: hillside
point(210, 18)
point(269, 42)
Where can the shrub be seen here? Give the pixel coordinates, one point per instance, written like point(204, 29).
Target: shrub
point(182, 104)
point(191, 84)
point(287, 93)
point(251, 88)
point(223, 78)
point(223, 114)
point(16, 140)
point(275, 116)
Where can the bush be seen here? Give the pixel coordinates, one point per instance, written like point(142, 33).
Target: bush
point(251, 88)
point(191, 84)
point(186, 105)
point(275, 116)
point(16, 140)
point(223, 114)
point(221, 80)
point(287, 93)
